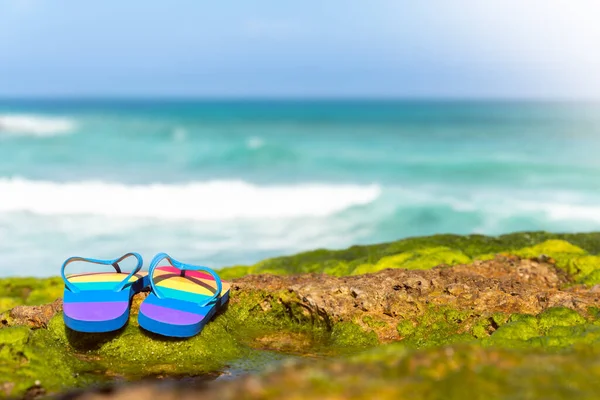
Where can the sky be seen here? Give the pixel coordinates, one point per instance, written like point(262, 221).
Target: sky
point(309, 48)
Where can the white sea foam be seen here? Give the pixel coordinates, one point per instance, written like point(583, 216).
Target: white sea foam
point(200, 201)
point(179, 134)
point(35, 125)
point(255, 143)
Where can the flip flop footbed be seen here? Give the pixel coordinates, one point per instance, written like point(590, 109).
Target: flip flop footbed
point(102, 280)
point(193, 286)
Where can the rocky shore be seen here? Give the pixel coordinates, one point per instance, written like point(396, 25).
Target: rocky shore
point(516, 316)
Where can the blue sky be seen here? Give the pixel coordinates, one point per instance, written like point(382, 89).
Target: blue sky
point(268, 48)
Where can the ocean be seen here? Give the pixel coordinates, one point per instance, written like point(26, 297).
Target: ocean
point(221, 183)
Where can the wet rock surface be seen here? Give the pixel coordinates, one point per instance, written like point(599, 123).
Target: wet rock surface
point(454, 373)
point(426, 317)
point(505, 284)
point(32, 316)
point(502, 285)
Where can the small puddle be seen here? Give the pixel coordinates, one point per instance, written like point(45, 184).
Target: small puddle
point(260, 360)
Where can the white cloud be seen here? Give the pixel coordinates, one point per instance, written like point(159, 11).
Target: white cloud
point(557, 39)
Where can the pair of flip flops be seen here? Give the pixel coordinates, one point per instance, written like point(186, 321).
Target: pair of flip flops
point(182, 300)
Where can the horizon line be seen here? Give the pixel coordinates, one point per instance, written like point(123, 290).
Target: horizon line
point(258, 98)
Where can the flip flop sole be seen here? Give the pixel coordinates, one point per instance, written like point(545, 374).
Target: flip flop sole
point(98, 316)
point(96, 308)
point(175, 318)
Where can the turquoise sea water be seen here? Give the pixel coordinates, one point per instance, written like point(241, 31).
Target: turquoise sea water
point(228, 182)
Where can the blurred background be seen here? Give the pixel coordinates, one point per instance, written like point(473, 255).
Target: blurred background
point(229, 132)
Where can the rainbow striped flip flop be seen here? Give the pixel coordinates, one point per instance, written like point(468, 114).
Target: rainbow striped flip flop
point(183, 298)
point(100, 301)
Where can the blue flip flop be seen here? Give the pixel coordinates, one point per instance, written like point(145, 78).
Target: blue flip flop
point(100, 301)
point(183, 299)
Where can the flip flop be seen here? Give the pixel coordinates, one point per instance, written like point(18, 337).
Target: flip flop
point(183, 299)
point(100, 301)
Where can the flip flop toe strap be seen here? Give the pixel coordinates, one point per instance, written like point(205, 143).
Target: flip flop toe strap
point(115, 263)
point(183, 267)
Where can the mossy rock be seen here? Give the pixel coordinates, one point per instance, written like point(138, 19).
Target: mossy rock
point(521, 330)
point(450, 372)
point(552, 247)
point(234, 272)
point(419, 259)
point(593, 278)
point(559, 317)
point(29, 291)
point(585, 268)
point(31, 358)
point(423, 252)
point(257, 319)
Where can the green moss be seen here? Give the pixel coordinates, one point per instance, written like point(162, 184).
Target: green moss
point(552, 248)
point(499, 319)
point(426, 252)
point(441, 326)
point(451, 372)
point(557, 327)
point(229, 336)
point(583, 267)
point(419, 259)
point(350, 337)
point(6, 303)
point(255, 320)
point(465, 371)
point(521, 330)
point(592, 278)
point(559, 317)
point(480, 331)
point(373, 323)
point(28, 291)
point(28, 356)
point(252, 321)
point(406, 328)
point(337, 268)
point(234, 272)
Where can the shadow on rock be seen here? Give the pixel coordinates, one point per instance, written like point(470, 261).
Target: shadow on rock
point(84, 341)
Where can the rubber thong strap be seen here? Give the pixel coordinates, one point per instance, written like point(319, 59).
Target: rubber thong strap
point(115, 263)
point(183, 267)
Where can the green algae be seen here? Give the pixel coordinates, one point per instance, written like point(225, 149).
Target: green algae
point(559, 248)
point(253, 322)
point(30, 358)
point(132, 353)
point(516, 332)
point(259, 320)
point(28, 291)
point(593, 278)
point(229, 336)
point(583, 267)
point(234, 272)
point(559, 317)
point(439, 326)
point(450, 372)
point(577, 253)
point(578, 249)
point(419, 259)
point(555, 328)
point(466, 371)
point(349, 337)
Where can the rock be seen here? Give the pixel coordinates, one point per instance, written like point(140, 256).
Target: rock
point(391, 372)
point(500, 301)
point(502, 285)
point(33, 316)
